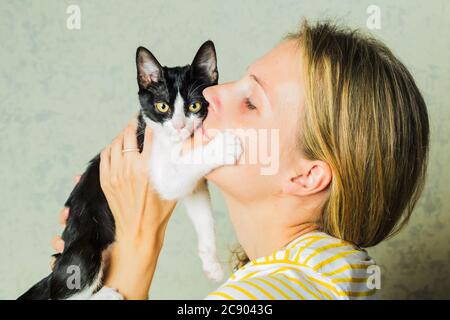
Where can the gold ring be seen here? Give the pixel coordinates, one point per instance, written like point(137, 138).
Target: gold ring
point(130, 150)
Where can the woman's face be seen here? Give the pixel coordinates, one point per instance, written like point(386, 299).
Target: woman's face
point(263, 109)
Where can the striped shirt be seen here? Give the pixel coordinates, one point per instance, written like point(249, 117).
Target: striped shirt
point(313, 266)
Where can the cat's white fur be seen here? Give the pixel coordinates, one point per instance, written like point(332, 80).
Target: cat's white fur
point(176, 177)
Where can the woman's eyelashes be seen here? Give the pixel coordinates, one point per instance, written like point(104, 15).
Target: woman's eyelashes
point(249, 104)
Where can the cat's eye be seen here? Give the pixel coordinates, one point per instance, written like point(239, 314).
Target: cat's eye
point(195, 107)
point(161, 107)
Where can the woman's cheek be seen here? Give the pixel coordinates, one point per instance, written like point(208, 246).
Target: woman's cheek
point(240, 181)
point(245, 179)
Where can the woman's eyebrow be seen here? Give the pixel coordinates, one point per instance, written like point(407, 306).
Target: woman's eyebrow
point(261, 83)
point(263, 87)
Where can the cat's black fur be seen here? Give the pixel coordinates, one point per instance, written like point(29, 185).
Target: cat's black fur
point(90, 227)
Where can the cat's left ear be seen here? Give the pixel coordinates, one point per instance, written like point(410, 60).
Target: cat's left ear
point(204, 64)
point(149, 70)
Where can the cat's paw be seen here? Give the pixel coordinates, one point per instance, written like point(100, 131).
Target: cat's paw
point(225, 149)
point(214, 272)
point(211, 267)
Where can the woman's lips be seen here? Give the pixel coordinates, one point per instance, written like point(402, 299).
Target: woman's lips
point(205, 133)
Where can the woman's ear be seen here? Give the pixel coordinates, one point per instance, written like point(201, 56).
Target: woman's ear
point(314, 177)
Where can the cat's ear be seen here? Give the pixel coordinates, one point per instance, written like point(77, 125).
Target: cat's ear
point(149, 70)
point(205, 62)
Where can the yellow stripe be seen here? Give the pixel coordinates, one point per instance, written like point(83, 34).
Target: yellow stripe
point(248, 294)
point(344, 268)
point(282, 269)
point(353, 280)
point(361, 293)
point(326, 285)
point(326, 295)
point(319, 250)
point(297, 256)
point(304, 239)
point(288, 286)
point(265, 292)
point(248, 275)
point(280, 261)
point(274, 288)
point(294, 279)
point(287, 254)
point(221, 294)
point(301, 285)
point(334, 258)
point(346, 293)
point(313, 279)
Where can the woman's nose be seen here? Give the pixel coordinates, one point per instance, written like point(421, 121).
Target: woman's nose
point(211, 96)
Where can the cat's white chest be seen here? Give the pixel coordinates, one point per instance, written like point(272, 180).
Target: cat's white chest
point(164, 169)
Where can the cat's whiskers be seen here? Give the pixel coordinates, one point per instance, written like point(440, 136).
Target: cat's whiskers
point(192, 90)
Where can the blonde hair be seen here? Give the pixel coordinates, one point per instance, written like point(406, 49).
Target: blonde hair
point(365, 117)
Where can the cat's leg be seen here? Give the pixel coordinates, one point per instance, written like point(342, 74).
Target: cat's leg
point(183, 172)
point(198, 207)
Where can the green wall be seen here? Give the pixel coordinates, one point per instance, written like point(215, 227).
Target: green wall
point(64, 94)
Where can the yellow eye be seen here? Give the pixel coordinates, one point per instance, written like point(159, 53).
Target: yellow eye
point(195, 107)
point(161, 107)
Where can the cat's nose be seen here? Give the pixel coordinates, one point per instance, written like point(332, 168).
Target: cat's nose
point(178, 125)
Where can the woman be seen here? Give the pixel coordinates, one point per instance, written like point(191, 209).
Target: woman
point(353, 147)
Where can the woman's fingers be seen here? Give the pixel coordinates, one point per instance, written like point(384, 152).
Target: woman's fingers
point(52, 262)
point(77, 178)
point(105, 164)
point(63, 215)
point(147, 142)
point(116, 158)
point(58, 244)
point(130, 140)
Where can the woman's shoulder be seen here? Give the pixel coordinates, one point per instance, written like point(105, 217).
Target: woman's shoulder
point(313, 266)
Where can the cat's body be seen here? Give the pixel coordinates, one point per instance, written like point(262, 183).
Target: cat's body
point(173, 106)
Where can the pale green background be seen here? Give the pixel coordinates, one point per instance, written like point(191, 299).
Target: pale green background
point(65, 93)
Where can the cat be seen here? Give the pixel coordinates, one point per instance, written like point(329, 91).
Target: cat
point(172, 105)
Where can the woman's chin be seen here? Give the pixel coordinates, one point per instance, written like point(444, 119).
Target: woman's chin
point(221, 175)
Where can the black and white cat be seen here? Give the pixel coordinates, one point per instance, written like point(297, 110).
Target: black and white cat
point(173, 106)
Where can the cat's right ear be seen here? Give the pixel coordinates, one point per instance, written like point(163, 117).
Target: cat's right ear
point(149, 70)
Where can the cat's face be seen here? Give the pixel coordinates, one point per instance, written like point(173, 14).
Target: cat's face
point(171, 98)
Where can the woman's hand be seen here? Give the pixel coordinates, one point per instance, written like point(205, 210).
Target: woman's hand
point(124, 178)
point(140, 215)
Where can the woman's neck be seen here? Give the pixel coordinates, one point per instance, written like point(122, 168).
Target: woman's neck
point(266, 226)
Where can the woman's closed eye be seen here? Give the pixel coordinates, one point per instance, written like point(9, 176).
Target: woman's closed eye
point(249, 104)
